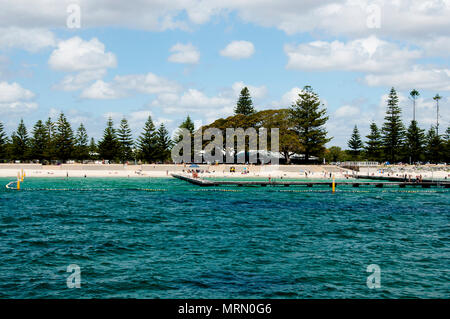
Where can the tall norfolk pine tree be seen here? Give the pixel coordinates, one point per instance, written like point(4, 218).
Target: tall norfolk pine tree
point(108, 145)
point(20, 142)
point(309, 121)
point(81, 144)
point(415, 140)
point(163, 143)
point(244, 104)
point(3, 143)
point(355, 144)
point(39, 141)
point(147, 147)
point(189, 125)
point(125, 140)
point(393, 129)
point(64, 141)
point(374, 144)
point(434, 146)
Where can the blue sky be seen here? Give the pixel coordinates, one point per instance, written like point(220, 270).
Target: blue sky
point(183, 57)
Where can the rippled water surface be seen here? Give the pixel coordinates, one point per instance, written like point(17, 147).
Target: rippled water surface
point(164, 238)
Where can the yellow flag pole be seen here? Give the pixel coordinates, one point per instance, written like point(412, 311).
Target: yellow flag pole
point(333, 186)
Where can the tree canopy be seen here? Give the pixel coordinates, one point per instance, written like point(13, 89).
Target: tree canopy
point(108, 145)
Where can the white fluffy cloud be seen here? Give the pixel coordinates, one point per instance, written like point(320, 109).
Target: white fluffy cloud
point(386, 64)
point(195, 101)
point(145, 83)
point(401, 18)
point(184, 53)
point(256, 92)
point(347, 111)
point(100, 90)
point(425, 77)
point(288, 98)
point(207, 108)
point(436, 46)
point(77, 81)
point(75, 54)
point(368, 55)
point(13, 92)
point(87, 61)
point(32, 40)
point(14, 98)
point(123, 85)
point(238, 50)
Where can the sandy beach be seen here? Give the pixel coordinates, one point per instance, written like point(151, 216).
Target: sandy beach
point(241, 171)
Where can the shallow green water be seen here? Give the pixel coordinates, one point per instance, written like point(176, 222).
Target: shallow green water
point(164, 238)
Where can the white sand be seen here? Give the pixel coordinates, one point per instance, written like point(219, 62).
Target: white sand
point(281, 171)
point(115, 170)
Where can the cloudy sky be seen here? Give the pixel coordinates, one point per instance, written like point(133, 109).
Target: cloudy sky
point(172, 58)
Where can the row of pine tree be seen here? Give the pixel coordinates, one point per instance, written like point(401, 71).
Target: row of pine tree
point(304, 133)
point(396, 143)
point(56, 141)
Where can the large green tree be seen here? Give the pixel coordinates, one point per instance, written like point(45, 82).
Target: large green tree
point(39, 141)
point(108, 146)
point(415, 141)
point(309, 119)
point(147, 147)
point(393, 131)
point(335, 154)
point(434, 146)
point(125, 139)
point(163, 143)
point(3, 143)
point(373, 146)
point(188, 125)
point(244, 104)
point(81, 144)
point(64, 139)
point(355, 144)
point(20, 145)
point(289, 143)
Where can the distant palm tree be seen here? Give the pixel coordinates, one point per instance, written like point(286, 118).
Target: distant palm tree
point(437, 98)
point(414, 95)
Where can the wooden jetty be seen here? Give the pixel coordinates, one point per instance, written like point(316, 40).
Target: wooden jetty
point(203, 182)
point(396, 179)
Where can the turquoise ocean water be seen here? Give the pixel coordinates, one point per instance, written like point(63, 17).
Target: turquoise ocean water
point(164, 238)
